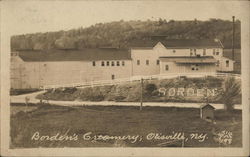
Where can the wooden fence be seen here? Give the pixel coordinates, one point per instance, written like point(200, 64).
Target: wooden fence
point(138, 78)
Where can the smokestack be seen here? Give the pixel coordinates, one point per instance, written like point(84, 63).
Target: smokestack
point(233, 40)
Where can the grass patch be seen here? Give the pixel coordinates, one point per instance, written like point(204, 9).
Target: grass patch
point(131, 92)
point(115, 121)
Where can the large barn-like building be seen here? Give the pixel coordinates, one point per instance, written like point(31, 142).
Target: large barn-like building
point(35, 69)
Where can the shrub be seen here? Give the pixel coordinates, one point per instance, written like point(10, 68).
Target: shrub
point(232, 90)
point(96, 98)
point(134, 94)
point(70, 90)
point(150, 88)
point(120, 98)
point(155, 93)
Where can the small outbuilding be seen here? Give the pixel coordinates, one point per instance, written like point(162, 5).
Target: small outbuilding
point(207, 112)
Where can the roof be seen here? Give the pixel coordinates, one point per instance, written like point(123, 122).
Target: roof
point(206, 106)
point(189, 59)
point(75, 55)
point(179, 43)
point(143, 43)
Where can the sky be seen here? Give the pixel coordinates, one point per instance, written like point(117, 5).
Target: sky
point(30, 16)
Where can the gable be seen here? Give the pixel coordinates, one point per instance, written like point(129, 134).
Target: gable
point(159, 46)
point(207, 106)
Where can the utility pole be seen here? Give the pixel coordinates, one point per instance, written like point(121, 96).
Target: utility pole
point(141, 93)
point(233, 40)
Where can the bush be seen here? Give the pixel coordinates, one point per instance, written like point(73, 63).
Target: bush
point(120, 98)
point(232, 90)
point(150, 88)
point(96, 98)
point(155, 93)
point(70, 90)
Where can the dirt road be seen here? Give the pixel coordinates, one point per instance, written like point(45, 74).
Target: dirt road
point(32, 99)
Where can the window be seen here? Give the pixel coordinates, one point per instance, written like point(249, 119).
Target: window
point(157, 62)
point(191, 52)
point(138, 62)
point(195, 67)
point(107, 63)
point(147, 62)
point(93, 63)
point(103, 64)
point(227, 63)
point(174, 51)
point(217, 53)
point(123, 63)
point(117, 63)
point(194, 51)
point(113, 77)
point(112, 63)
point(204, 52)
point(166, 67)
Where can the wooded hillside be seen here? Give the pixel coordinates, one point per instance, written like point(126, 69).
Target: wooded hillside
point(121, 34)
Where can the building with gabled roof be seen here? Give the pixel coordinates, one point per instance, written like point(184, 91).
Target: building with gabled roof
point(178, 43)
point(207, 112)
point(75, 55)
point(34, 69)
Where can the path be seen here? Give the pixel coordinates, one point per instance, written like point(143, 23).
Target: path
point(21, 99)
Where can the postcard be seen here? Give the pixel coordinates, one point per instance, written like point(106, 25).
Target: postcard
point(124, 78)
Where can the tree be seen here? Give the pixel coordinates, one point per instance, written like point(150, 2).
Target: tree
point(65, 43)
point(232, 90)
point(120, 32)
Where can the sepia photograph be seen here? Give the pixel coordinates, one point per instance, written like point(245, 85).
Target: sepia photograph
point(124, 74)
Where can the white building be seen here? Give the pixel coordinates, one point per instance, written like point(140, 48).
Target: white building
point(33, 69)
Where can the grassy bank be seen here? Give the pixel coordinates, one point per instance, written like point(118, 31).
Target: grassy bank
point(116, 120)
point(132, 92)
point(23, 91)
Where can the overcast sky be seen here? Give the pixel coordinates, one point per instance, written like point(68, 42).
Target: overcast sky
point(42, 16)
